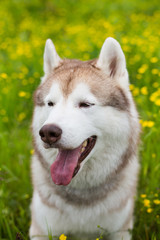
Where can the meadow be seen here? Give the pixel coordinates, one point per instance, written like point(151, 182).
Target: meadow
point(78, 30)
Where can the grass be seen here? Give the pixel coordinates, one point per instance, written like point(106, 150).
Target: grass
point(78, 29)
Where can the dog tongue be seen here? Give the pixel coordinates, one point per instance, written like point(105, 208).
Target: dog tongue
point(62, 169)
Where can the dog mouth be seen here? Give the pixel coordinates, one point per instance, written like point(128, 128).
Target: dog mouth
point(68, 161)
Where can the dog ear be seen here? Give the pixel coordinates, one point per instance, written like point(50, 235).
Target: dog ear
point(51, 58)
point(111, 59)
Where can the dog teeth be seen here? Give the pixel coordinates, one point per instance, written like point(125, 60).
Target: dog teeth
point(83, 146)
point(82, 150)
point(85, 143)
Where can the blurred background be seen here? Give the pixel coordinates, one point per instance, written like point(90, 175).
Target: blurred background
point(78, 30)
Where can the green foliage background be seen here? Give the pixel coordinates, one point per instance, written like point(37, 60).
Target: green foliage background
point(78, 29)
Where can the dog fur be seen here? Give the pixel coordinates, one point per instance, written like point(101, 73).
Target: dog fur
point(102, 192)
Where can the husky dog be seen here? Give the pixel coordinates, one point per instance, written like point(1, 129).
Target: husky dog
point(86, 132)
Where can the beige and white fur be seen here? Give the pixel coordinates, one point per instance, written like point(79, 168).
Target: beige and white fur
point(103, 191)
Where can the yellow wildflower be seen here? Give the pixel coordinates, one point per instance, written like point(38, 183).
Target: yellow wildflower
point(154, 60)
point(157, 102)
point(124, 40)
point(153, 155)
point(22, 94)
point(146, 202)
point(155, 71)
point(135, 91)
point(32, 151)
point(149, 210)
point(150, 124)
point(156, 201)
point(154, 96)
point(4, 75)
point(155, 84)
point(21, 116)
point(143, 123)
point(144, 90)
point(143, 68)
point(62, 237)
point(146, 123)
point(126, 48)
point(131, 86)
point(143, 195)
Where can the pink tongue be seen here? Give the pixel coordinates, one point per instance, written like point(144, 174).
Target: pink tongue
point(62, 169)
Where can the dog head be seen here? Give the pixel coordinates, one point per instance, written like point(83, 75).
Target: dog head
point(81, 108)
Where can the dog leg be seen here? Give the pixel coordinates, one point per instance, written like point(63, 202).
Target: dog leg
point(36, 233)
point(123, 234)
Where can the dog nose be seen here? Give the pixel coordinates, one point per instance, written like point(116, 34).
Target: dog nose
point(50, 133)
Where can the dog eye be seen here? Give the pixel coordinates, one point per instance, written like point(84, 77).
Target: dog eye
point(85, 104)
point(51, 104)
